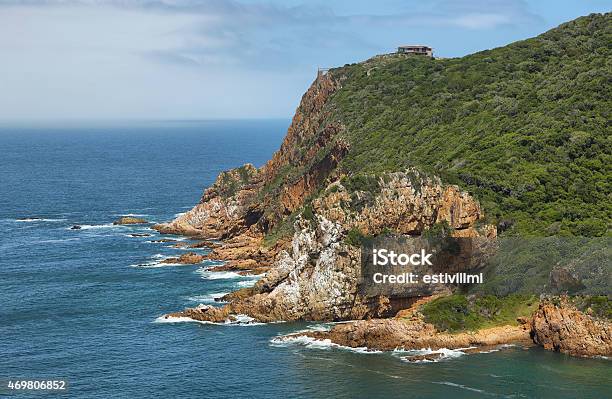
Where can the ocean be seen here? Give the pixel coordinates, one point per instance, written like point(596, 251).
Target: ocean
point(83, 305)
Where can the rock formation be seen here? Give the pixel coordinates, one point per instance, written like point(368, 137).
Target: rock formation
point(563, 328)
point(189, 258)
point(251, 201)
point(316, 277)
point(298, 216)
point(390, 334)
point(129, 220)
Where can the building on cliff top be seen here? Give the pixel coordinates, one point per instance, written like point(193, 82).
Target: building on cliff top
point(415, 49)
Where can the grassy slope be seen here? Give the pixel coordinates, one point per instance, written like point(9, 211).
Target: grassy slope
point(457, 313)
point(524, 127)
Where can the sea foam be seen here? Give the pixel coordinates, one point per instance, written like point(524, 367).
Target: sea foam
point(208, 298)
point(29, 220)
point(212, 275)
point(313, 343)
point(240, 320)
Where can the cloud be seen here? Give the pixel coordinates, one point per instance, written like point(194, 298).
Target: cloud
point(231, 33)
point(175, 58)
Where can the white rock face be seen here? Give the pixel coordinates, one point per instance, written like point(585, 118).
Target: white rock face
point(319, 277)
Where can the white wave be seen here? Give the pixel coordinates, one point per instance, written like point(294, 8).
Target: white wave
point(452, 384)
point(156, 262)
point(444, 354)
point(212, 275)
point(244, 320)
point(179, 214)
point(172, 319)
point(131, 214)
point(28, 220)
point(97, 226)
point(313, 343)
point(240, 320)
point(55, 241)
point(246, 283)
point(208, 298)
point(146, 265)
point(155, 265)
point(175, 238)
point(319, 327)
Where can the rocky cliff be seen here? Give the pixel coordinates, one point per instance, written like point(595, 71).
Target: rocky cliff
point(253, 201)
point(316, 275)
point(563, 328)
point(363, 155)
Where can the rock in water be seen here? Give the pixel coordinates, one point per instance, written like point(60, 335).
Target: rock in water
point(189, 258)
point(75, 227)
point(129, 220)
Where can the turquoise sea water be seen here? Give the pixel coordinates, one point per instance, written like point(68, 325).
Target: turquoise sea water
point(82, 304)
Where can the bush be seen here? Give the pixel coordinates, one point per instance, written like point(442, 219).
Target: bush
point(456, 313)
point(523, 127)
point(354, 237)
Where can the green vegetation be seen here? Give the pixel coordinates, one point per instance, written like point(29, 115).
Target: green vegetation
point(524, 266)
point(524, 127)
point(230, 182)
point(456, 313)
point(598, 306)
point(438, 232)
point(355, 237)
point(361, 182)
point(280, 231)
point(308, 213)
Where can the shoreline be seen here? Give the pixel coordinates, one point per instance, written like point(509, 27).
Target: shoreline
point(406, 330)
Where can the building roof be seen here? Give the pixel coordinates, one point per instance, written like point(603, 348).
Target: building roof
point(414, 45)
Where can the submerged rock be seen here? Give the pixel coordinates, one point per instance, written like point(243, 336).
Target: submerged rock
point(129, 220)
point(76, 227)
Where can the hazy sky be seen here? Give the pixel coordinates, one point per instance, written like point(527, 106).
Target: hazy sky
point(124, 59)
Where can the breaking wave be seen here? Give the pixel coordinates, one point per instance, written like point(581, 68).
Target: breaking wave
point(98, 226)
point(247, 283)
point(208, 298)
point(452, 384)
point(313, 343)
point(213, 275)
point(240, 320)
point(56, 241)
point(443, 354)
point(156, 262)
point(34, 219)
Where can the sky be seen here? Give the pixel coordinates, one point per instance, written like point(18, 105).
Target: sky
point(224, 59)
